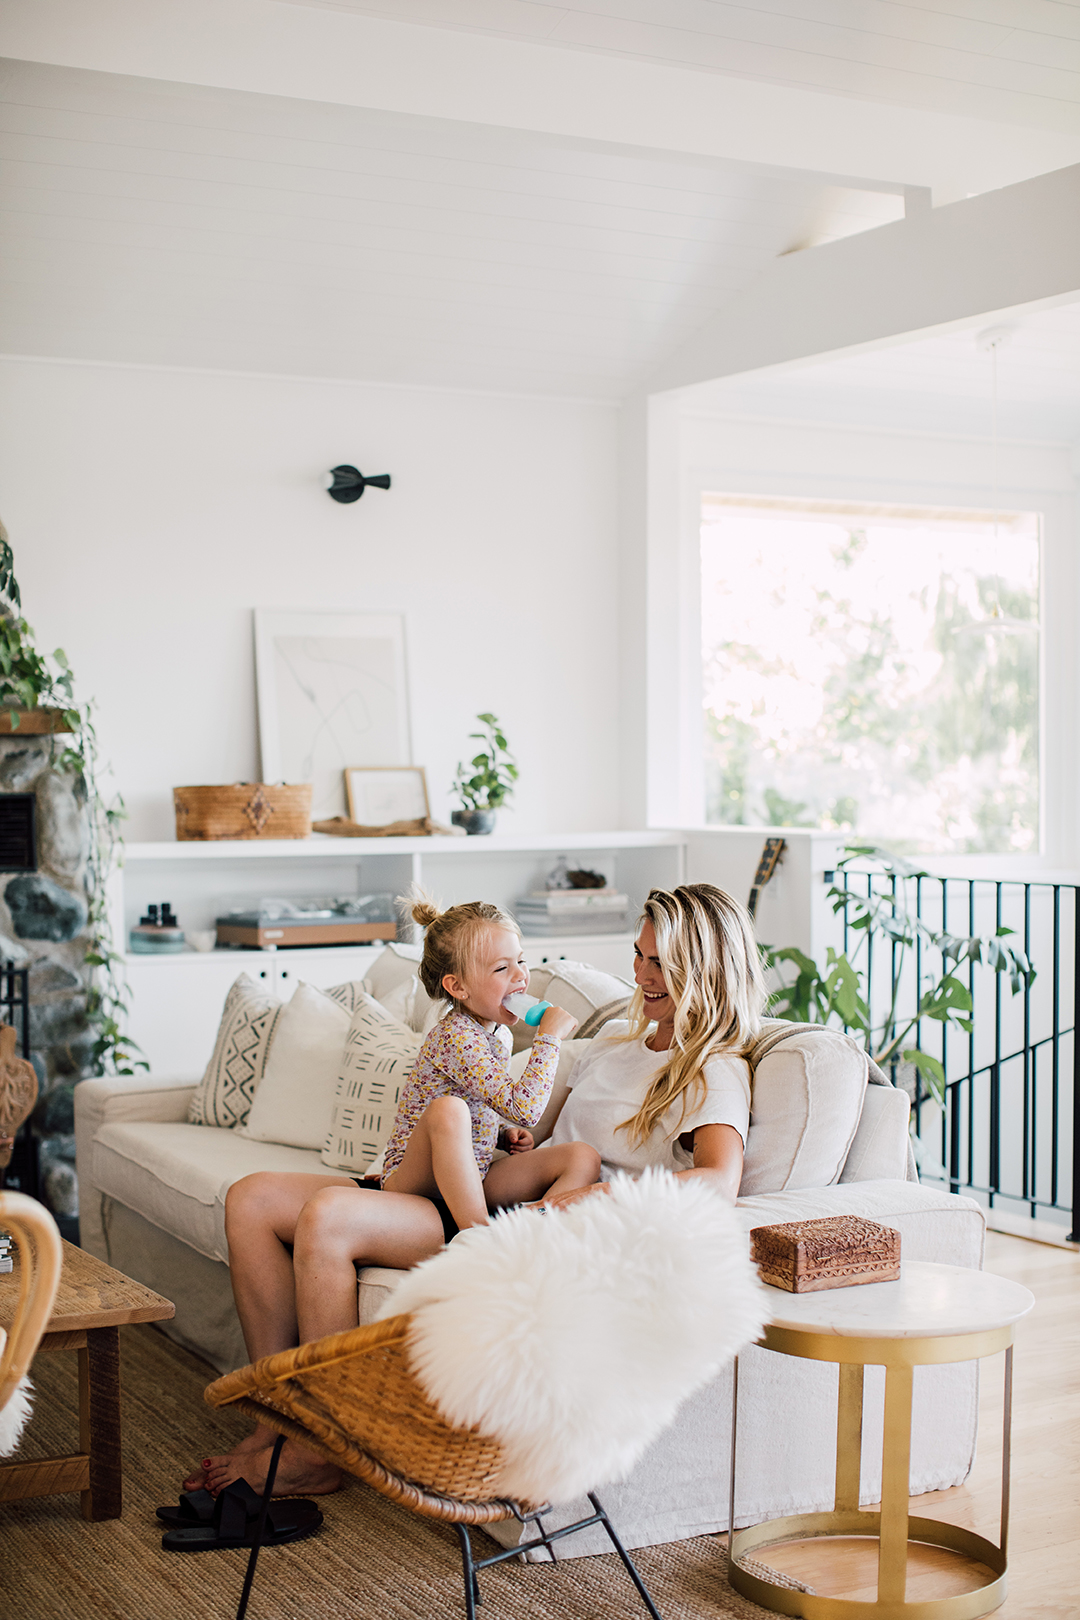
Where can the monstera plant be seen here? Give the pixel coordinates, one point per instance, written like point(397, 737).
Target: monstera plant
point(837, 992)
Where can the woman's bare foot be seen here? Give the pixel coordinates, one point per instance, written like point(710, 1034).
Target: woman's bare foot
point(300, 1472)
point(260, 1439)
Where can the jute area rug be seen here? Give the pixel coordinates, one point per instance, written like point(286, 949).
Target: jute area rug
point(371, 1560)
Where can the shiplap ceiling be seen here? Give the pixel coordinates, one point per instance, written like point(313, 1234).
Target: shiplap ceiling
point(941, 384)
point(1011, 60)
point(161, 223)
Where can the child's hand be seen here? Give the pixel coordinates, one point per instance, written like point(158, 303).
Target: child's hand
point(515, 1139)
point(558, 1023)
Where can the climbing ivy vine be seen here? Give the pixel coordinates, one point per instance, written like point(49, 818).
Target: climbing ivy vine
point(31, 680)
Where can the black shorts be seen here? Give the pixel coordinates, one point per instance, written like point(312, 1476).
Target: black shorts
point(449, 1225)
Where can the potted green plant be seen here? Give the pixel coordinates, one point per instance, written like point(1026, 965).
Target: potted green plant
point(487, 781)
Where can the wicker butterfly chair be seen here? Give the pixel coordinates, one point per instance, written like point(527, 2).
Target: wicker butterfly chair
point(353, 1398)
point(41, 1258)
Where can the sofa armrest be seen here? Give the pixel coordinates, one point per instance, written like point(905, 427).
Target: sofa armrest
point(880, 1147)
point(114, 1099)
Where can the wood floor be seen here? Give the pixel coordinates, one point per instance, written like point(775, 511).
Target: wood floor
point(1044, 1535)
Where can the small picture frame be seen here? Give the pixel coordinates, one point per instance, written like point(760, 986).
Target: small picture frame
point(380, 794)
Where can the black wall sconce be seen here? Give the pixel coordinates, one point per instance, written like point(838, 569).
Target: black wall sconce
point(348, 483)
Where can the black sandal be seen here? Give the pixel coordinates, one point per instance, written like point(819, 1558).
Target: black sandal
point(233, 1519)
point(196, 1507)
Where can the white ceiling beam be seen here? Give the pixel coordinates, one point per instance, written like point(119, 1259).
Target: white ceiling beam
point(934, 270)
point(271, 48)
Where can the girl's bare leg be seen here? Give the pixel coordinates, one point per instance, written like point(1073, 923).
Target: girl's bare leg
point(263, 1214)
point(524, 1177)
point(439, 1162)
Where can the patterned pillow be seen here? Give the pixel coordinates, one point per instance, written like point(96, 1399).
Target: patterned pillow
point(223, 1096)
point(348, 995)
point(379, 1053)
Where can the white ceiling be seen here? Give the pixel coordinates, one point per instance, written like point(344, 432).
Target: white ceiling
point(1012, 60)
point(935, 385)
point(162, 223)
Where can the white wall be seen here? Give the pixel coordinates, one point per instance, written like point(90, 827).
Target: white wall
point(826, 461)
point(151, 510)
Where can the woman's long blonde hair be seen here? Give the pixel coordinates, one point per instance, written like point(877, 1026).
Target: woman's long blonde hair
point(712, 969)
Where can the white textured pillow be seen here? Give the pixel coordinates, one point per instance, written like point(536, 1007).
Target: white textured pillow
point(589, 994)
point(293, 1102)
point(807, 1098)
point(411, 1005)
point(378, 1054)
point(248, 1021)
point(392, 965)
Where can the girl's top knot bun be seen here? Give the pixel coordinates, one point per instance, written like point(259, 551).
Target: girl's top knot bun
point(424, 912)
point(451, 937)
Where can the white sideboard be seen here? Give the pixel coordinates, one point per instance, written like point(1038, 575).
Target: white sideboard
point(176, 1000)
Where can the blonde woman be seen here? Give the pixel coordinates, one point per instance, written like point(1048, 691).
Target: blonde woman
point(670, 1087)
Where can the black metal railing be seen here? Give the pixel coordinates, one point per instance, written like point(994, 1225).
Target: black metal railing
point(1008, 1128)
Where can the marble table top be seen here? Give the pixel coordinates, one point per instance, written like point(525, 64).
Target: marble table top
point(929, 1301)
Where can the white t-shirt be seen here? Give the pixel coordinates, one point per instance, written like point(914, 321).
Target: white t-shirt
point(608, 1085)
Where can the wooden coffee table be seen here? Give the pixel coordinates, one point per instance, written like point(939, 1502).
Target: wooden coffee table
point(92, 1303)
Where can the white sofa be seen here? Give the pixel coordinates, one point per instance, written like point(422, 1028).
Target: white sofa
point(152, 1196)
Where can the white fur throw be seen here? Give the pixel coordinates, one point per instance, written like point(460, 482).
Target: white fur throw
point(15, 1416)
point(573, 1337)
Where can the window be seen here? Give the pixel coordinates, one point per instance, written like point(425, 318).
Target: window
point(872, 670)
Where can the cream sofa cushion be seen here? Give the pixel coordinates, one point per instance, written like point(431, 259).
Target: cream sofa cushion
point(590, 995)
point(411, 1005)
point(238, 1061)
point(393, 966)
point(378, 1054)
point(881, 1146)
point(176, 1176)
point(294, 1098)
point(807, 1099)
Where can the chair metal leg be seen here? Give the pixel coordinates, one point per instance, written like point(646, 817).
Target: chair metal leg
point(264, 1508)
point(631, 1570)
point(472, 1585)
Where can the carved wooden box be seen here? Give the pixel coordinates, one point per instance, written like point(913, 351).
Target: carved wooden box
point(835, 1252)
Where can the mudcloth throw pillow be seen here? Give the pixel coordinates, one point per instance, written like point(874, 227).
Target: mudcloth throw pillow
point(223, 1096)
point(378, 1054)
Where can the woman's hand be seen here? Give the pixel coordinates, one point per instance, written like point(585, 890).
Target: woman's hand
point(564, 1199)
point(516, 1139)
point(558, 1023)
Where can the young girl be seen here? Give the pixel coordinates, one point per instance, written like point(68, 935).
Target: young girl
point(447, 1124)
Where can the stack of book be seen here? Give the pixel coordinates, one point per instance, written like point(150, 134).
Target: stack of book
point(6, 1262)
point(573, 911)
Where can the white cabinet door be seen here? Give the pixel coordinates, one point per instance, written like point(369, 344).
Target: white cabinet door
point(323, 968)
point(176, 1008)
point(176, 1001)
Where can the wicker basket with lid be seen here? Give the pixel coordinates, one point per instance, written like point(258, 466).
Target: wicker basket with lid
point(243, 810)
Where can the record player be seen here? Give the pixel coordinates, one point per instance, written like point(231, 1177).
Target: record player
point(285, 924)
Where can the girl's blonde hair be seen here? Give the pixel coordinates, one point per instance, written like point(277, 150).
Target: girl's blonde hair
point(712, 969)
point(451, 937)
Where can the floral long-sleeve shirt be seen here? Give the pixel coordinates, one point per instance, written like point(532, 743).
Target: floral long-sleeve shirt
point(460, 1058)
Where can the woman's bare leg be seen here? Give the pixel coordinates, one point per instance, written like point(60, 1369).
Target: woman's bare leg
point(439, 1162)
point(332, 1235)
point(262, 1215)
point(261, 1211)
point(524, 1177)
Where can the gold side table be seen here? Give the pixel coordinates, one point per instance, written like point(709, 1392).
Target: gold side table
point(933, 1314)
